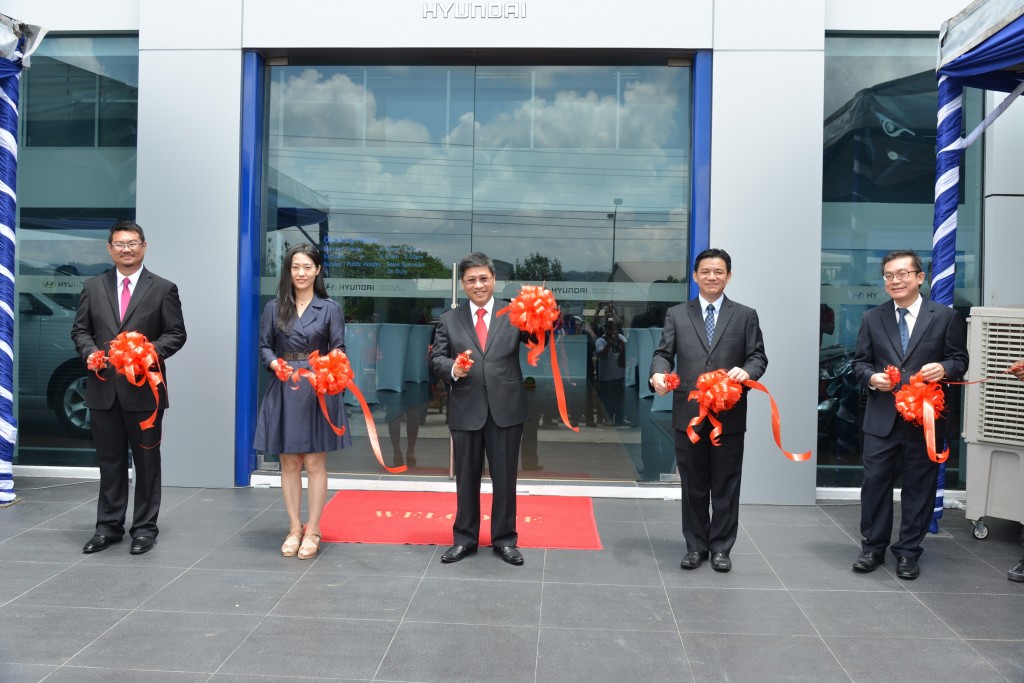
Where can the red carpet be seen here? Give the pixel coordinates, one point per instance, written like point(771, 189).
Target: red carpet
point(425, 518)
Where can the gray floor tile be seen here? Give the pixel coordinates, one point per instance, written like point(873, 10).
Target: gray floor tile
point(752, 612)
point(348, 597)
point(46, 634)
point(256, 552)
point(20, 577)
point(305, 648)
point(785, 515)
point(24, 673)
point(512, 603)
point(168, 641)
point(831, 572)
point(761, 659)
point(217, 521)
point(80, 519)
point(972, 616)
point(59, 491)
point(223, 592)
point(882, 614)
point(27, 513)
point(630, 608)
point(775, 539)
point(172, 549)
point(956, 575)
point(80, 674)
point(668, 537)
point(461, 653)
point(590, 655)
point(51, 545)
point(1003, 655)
point(374, 559)
point(929, 659)
point(487, 566)
point(113, 587)
point(748, 571)
point(628, 566)
point(617, 510)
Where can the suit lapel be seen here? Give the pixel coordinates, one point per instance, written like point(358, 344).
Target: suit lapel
point(892, 331)
point(110, 291)
point(464, 316)
point(697, 318)
point(724, 316)
point(925, 316)
point(141, 287)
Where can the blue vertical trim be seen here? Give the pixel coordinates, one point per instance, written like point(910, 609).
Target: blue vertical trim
point(250, 211)
point(700, 169)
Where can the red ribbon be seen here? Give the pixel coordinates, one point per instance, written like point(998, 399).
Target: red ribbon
point(463, 361)
point(284, 371)
point(672, 381)
point(133, 356)
point(535, 312)
point(919, 402)
point(717, 392)
point(330, 375)
point(894, 376)
point(97, 361)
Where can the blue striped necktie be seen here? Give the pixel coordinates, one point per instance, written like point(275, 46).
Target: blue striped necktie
point(709, 322)
point(904, 330)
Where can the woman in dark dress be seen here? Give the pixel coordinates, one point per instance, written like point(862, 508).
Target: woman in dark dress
point(291, 424)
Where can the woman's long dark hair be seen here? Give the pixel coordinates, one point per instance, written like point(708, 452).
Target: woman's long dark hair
point(286, 312)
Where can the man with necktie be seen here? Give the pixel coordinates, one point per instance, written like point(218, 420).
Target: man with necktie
point(913, 334)
point(487, 409)
point(708, 333)
point(127, 298)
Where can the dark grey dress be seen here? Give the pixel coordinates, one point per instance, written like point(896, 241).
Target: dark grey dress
point(290, 420)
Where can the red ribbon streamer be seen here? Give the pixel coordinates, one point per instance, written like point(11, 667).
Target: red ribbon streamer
point(331, 375)
point(717, 392)
point(284, 371)
point(535, 312)
point(97, 361)
point(463, 361)
point(919, 402)
point(133, 356)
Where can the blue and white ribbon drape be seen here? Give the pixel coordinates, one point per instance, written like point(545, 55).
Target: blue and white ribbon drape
point(17, 42)
point(947, 191)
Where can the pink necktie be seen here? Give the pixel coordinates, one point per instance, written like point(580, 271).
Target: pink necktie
point(126, 296)
point(481, 328)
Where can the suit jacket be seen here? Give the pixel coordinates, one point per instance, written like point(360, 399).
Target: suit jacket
point(939, 336)
point(154, 310)
point(322, 331)
point(495, 383)
point(737, 342)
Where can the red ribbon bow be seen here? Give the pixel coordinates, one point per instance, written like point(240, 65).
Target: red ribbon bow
point(920, 402)
point(133, 356)
point(894, 376)
point(330, 375)
point(463, 361)
point(284, 371)
point(717, 392)
point(535, 312)
point(672, 381)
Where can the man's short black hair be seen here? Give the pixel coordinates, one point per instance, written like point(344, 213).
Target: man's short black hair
point(475, 260)
point(125, 226)
point(713, 253)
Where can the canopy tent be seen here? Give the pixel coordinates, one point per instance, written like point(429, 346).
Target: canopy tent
point(981, 47)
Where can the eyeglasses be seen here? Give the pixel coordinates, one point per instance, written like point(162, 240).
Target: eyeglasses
point(901, 275)
point(130, 246)
point(472, 282)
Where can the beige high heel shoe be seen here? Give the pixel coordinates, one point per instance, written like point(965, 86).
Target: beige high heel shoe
point(291, 543)
point(308, 551)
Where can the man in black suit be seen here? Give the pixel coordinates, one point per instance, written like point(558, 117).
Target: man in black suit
point(913, 334)
point(127, 298)
point(708, 333)
point(487, 410)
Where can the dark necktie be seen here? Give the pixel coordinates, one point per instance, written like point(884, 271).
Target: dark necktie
point(904, 330)
point(481, 327)
point(709, 322)
point(126, 296)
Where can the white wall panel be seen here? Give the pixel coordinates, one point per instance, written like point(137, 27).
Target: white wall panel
point(1003, 246)
point(759, 25)
point(191, 24)
point(188, 203)
point(73, 15)
point(548, 23)
point(890, 15)
point(766, 212)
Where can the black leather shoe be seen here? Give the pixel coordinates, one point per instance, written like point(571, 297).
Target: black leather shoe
point(509, 553)
point(142, 544)
point(720, 562)
point(1017, 573)
point(99, 542)
point(457, 552)
point(692, 560)
point(868, 561)
point(906, 568)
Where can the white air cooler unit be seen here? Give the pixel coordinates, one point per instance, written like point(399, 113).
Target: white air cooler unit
point(994, 417)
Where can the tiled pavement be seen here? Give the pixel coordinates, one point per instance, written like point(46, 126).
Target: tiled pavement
point(216, 602)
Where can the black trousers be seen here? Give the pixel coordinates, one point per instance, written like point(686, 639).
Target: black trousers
point(710, 479)
point(903, 451)
point(114, 431)
point(501, 447)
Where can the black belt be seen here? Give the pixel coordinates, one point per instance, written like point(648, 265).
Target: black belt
point(296, 355)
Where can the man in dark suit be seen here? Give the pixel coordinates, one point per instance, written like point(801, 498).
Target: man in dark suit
point(487, 410)
point(914, 335)
point(127, 298)
point(705, 334)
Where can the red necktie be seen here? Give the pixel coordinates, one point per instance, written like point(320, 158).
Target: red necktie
point(126, 296)
point(481, 328)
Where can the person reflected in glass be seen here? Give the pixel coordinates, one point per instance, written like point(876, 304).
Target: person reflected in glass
point(291, 425)
point(1017, 572)
point(610, 351)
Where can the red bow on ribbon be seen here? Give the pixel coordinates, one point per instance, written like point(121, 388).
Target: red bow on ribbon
point(463, 361)
point(894, 376)
point(920, 402)
point(330, 375)
point(535, 312)
point(284, 371)
point(133, 356)
point(672, 381)
point(717, 392)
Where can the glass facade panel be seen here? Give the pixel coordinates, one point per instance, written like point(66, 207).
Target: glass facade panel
point(877, 196)
point(577, 177)
point(76, 177)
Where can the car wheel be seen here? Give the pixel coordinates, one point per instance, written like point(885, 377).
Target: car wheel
point(69, 407)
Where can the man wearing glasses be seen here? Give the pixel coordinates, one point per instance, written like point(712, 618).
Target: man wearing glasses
point(127, 298)
point(487, 409)
point(913, 334)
